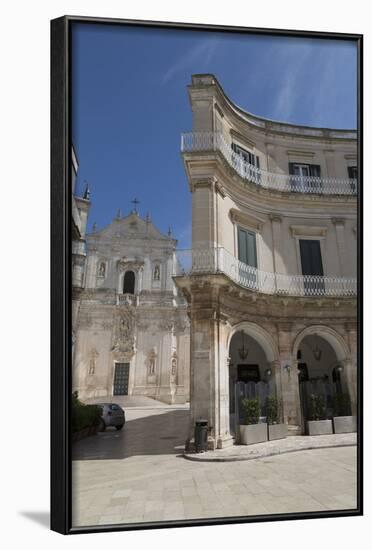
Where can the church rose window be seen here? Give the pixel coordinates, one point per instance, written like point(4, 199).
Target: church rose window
point(129, 282)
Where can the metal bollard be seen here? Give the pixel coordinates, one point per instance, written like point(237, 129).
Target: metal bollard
point(201, 435)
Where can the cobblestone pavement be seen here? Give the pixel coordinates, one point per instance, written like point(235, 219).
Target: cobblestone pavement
point(139, 474)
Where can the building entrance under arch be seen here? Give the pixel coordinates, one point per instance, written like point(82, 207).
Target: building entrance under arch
point(250, 375)
point(322, 383)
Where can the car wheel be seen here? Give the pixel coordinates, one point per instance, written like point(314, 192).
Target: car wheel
point(119, 427)
point(101, 426)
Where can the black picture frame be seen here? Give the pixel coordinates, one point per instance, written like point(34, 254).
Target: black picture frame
point(61, 287)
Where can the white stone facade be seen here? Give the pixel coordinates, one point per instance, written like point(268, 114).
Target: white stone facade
point(132, 334)
point(274, 254)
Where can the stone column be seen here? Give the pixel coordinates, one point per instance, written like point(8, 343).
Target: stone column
point(289, 382)
point(278, 263)
point(209, 377)
point(339, 224)
point(350, 365)
point(275, 367)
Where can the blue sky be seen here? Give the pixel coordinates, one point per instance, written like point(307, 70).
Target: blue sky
point(130, 105)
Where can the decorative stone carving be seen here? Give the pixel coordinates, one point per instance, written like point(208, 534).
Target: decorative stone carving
point(124, 340)
point(125, 264)
point(174, 363)
point(93, 355)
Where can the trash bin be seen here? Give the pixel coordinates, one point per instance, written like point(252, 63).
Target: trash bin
point(201, 435)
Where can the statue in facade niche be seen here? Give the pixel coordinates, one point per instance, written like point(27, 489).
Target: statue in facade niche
point(124, 328)
point(102, 269)
point(174, 366)
point(156, 273)
point(92, 361)
point(152, 362)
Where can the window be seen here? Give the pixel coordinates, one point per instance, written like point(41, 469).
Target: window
point(353, 175)
point(129, 282)
point(247, 254)
point(312, 266)
point(249, 158)
point(303, 174)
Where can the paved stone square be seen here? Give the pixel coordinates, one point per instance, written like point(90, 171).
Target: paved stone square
point(139, 474)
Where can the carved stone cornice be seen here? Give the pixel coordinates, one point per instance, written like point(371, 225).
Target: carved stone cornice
point(208, 182)
point(248, 219)
point(129, 263)
point(338, 221)
point(276, 218)
point(308, 231)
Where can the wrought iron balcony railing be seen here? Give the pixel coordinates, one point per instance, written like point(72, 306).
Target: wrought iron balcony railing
point(219, 260)
point(213, 141)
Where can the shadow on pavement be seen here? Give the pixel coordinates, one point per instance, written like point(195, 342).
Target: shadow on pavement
point(155, 434)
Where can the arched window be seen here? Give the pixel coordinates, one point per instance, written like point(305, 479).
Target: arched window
point(129, 282)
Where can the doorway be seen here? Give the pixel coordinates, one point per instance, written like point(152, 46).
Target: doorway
point(121, 379)
point(248, 373)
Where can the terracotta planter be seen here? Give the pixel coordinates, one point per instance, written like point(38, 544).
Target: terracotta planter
point(253, 433)
point(277, 431)
point(319, 427)
point(344, 424)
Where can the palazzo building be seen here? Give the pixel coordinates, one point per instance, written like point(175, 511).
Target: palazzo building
point(271, 277)
point(132, 330)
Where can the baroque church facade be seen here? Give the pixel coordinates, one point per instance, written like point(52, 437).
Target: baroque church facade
point(130, 323)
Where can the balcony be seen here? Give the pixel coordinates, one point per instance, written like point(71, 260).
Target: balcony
point(212, 141)
point(218, 260)
point(127, 299)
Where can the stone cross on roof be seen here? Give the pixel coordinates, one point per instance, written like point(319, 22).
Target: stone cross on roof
point(135, 201)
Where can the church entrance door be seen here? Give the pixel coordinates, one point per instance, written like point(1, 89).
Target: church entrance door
point(121, 379)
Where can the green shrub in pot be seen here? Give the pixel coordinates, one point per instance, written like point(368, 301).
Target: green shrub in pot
point(341, 404)
point(317, 408)
point(273, 409)
point(251, 408)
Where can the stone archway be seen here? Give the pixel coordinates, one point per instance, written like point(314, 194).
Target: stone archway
point(252, 356)
point(330, 335)
point(259, 334)
point(322, 359)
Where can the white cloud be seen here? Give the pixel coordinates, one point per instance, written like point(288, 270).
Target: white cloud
point(201, 53)
point(288, 93)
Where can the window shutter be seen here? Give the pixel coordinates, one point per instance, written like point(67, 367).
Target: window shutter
point(247, 247)
point(257, 161)
point(242, 246)
point(353, 172)
point(251, 249)
point(291, 168)
point(314, 170)
point(311, 258)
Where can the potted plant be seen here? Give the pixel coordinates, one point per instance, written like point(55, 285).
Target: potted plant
point(343, 421)
point(317, 423)
point(276, 429)
point(252, 431)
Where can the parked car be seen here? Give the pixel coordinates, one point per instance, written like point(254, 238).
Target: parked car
point(111, 415)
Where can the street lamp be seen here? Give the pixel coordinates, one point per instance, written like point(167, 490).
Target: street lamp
point(243, 352)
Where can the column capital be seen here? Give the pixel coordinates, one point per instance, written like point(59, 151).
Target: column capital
point(338, 221)
point(277, 218)
point(208, 182)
